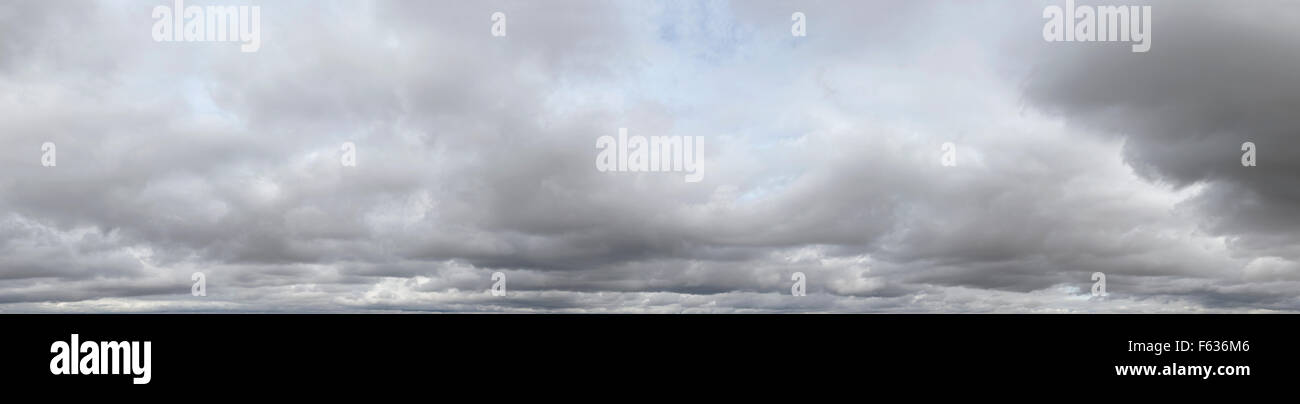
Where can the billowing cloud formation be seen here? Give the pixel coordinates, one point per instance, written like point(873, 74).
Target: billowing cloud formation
point(1225, 74)
point(475, 154)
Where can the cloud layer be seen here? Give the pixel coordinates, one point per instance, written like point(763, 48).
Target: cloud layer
point(475, 155)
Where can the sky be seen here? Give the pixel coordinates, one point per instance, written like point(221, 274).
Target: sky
point(823, 155)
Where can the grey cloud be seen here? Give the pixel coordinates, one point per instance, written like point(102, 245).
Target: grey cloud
point(1218, 75)
point(475, 156)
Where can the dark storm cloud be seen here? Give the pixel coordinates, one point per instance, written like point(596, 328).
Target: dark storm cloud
point(1219, 74)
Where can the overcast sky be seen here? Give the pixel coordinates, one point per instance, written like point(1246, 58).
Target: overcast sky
point(822, 154)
